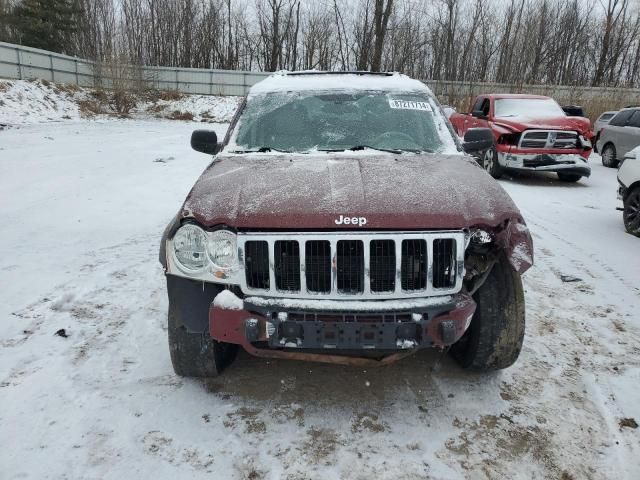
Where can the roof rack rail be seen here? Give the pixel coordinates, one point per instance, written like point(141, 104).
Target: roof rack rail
point(350, 72)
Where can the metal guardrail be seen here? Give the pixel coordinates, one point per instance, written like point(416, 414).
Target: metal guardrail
point(19, 62)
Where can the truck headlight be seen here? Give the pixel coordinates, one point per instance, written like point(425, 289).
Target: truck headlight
point(586, 144)
point(190, 248)
point(222, 249)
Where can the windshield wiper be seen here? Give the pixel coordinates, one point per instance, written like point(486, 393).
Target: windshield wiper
point(397, 151)
point(361, 147)
point(264, 150)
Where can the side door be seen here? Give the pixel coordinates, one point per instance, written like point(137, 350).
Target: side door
point(630, 134)
point(614, 132)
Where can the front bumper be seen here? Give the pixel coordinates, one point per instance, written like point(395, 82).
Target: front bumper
point(546, 162)
point(622, 193)
point(327, 330)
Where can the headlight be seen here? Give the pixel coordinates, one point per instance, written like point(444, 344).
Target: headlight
point(190, 248)
point(222, 249)
point(480, 237)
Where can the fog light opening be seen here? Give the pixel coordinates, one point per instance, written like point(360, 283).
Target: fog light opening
point(252, 329)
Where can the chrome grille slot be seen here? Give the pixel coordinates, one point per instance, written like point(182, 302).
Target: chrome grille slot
point(350, 266)
point(287, 265)
point(414, 265)
point(318, 266)
point(566, 140)
point(257, 264)
point(444, 263)
point(382, 265)
point(534, 139)
point(342, 265)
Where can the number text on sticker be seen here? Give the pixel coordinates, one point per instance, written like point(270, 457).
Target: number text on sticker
point(409, 105)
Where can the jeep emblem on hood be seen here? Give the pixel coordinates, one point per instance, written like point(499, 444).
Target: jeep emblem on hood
point(359, 221)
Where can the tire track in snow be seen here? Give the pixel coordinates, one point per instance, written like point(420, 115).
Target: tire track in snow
point(563, 241)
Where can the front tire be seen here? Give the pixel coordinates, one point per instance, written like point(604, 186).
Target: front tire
point(569, 177)
point(631, 212)
point(490, 163)
point(494, 339)
point(196, 354)
point(609, 156)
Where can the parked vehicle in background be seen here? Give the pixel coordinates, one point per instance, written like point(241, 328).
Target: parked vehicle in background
point(620, 136)
point(448, 110)
point(599, 124)
point(341, 222)
point(532, 134)
point(629, 191)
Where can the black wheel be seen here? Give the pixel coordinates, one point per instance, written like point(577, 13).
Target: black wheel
point(609, 156)
point(490, 163)
point(494, 339)
point(631, 212)
point(569, 177)
point(196, 354)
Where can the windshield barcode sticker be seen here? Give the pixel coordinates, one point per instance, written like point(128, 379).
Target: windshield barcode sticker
point(409, 105)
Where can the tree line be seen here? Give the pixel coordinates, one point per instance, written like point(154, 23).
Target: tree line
point(569, 42)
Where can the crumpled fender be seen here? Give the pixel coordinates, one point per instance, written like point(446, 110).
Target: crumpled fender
point(517, 243)
point(500, 129)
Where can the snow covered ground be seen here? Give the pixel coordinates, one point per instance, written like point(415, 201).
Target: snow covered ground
point(82, 208)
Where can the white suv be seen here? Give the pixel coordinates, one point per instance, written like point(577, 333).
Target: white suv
point(629, 191)
point(620, 136)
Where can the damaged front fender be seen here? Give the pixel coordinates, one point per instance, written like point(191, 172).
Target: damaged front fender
point(517, 243)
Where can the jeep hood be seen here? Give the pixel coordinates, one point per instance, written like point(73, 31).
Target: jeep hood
point(519, 124)
point(309, 192)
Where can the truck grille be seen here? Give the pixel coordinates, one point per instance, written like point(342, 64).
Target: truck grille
point(557, 139)
point(352, 264)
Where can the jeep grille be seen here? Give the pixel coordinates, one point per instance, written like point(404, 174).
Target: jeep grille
point(352, 264)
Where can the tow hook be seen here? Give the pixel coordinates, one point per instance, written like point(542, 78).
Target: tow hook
point(447, 331)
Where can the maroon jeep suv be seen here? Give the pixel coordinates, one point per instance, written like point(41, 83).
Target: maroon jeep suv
point(341, 220)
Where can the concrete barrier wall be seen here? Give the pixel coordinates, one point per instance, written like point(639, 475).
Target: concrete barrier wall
point(18, 62)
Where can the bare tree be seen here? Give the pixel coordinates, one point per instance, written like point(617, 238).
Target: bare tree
point(574, 42)
point(381, 15)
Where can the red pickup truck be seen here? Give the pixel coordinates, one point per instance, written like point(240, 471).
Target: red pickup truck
point(532, 133)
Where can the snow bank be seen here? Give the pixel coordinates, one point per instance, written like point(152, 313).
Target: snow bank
point(204, 108)
point(25, 102)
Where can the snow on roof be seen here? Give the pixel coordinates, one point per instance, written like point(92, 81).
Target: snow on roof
point(334, 81)
point(635, 153)
point(518, 95)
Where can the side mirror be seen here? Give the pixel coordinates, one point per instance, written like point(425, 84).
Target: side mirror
point(205, 141)
point(477, 140)
point(479, 114)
